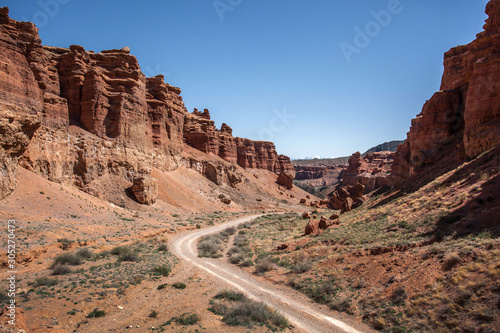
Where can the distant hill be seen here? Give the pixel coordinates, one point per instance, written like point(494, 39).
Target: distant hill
point(386, 146)
point(321, 161)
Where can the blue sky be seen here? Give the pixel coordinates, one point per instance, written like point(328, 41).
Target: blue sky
point(275, 69)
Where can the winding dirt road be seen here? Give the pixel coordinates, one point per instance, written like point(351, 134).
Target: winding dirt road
point(300, 311)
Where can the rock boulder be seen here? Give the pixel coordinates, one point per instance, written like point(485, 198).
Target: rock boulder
point(145, 189)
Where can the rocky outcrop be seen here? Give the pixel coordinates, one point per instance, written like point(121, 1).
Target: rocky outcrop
point(371, 170)
point(347, 198)
point(463, 117)
point(16, 129)
point(200, 132)
point(92, 114)
point(324, 223)
point(285, 180)
point(21, 101)
point(226, 199)
point(145, 189)
point(219, 173)
point(312, 227)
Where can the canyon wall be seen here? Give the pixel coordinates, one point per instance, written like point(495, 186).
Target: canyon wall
point(200, 132)
point(463, 118)
point(74, 115)
point(21, 101)
point(372, 170)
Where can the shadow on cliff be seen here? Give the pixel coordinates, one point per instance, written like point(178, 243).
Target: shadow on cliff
point(481, 213)
point(448, 162)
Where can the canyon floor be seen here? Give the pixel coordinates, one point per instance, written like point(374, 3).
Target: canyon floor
point(421, 260)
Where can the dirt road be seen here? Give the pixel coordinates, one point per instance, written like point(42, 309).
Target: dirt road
point(300, 311)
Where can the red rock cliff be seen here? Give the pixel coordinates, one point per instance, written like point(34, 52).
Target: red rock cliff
point(74, 115)
point(464, 117)
point(371, 170)
point(21, 101)
point(200, 132)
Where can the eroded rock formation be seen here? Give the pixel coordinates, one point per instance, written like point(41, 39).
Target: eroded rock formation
point(347, 198)
point(200, 132)
point(371, 170)
point(21, 101)
point(464, 116)
point(91, 114)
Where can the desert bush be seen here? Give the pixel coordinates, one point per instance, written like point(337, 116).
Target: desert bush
point(264, 265)
point(163, 247)
point(153, 314)
point(303, 266)
point(234, 250)
point(247, 263)
point(117, 250)
point(45, 281)
point(240, 240)
point(125, 253)
point(96, 313)
point(84, 253)
point(227, 232)
point(237, 310)
point(162, 286)
point(236, 259)
point(341, 305)
point(179, 285)
point(67, 259)
point(323, 292)
point(161, 270)
point(230, 295)
point(210, 247)
point(247, 313)
point(188, 319)
point(61, 270)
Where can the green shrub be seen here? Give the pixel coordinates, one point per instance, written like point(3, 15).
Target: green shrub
point(188, 319)
point(323, 293)
point(96, 313)
point(230, 295)
point(242, 311)
point(163, 247)
point(117, 250)
point(162, 286)
point(67, 259)
point(125, 253)
point(162, 270)
point(179, 285)
point(45, 281)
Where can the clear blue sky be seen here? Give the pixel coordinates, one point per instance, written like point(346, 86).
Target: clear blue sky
point(282, 55)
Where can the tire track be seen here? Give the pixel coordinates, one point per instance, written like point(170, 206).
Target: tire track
point(298, 309)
